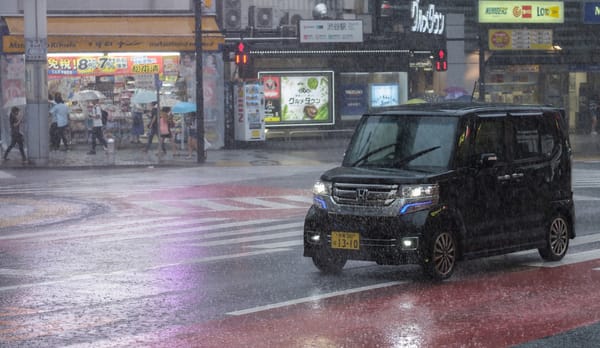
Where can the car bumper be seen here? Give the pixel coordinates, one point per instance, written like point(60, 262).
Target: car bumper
point(390, 240)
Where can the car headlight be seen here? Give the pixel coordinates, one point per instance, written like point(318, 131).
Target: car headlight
point(321, 188)
point(419, 197)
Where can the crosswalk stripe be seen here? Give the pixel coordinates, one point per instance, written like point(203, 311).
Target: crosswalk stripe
point(262, 202)
point(123, 226)
point(246, 239)
point(569, 259)
point(277, 245)
point(5, 175)
point(195, 229)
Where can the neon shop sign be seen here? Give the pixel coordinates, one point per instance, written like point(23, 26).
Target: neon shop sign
point(427, 20)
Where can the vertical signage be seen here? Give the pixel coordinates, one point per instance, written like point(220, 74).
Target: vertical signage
point(591, 13)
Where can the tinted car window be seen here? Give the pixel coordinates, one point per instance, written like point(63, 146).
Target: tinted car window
point(387, 140)
point(527, 137)
point(490, 137)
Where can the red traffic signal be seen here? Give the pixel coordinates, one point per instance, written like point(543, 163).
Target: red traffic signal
point(241, 54)
point(441, 60)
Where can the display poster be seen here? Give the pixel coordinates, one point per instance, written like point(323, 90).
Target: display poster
point(384, 94)
point(60, 66)
point(520, 39)
point(298, 98)
point(354, 99)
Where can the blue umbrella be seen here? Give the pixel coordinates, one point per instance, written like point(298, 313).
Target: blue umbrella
point(183, 108)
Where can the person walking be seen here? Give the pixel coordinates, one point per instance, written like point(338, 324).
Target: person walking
point(16, 135)
point(54, 140)
point(96, 116)
point(137, 126)
point(60, 113)
point(165, 125)
point(594, 113)
point(152, 126)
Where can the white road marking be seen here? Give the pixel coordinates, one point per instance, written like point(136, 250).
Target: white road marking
point(195, 229)
point(246, 239)
point(569, 259)
point(264, 203)
point(5, 175)
point(88, 276)
point(287, 244)
point(314, 298)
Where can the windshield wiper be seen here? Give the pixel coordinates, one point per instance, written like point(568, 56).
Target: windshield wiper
point(402, 161)
point(368, 154)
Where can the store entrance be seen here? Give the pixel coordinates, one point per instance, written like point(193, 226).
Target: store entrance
point(584, 92)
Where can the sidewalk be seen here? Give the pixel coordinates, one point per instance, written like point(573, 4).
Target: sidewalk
point(268, 153)
point(271, 152)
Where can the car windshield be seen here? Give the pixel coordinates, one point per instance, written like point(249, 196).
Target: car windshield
point(423, 143)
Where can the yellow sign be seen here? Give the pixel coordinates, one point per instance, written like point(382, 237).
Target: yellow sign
point(521, 12)
point(62, 44)
point(517, 39)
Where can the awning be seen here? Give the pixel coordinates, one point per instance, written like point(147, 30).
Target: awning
point(117, 34)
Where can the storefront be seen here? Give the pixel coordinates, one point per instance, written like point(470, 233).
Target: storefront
point(543, 53)
point(333, 74)
point(122, 58)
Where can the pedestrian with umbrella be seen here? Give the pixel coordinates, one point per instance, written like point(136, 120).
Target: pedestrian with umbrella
point(152, 126)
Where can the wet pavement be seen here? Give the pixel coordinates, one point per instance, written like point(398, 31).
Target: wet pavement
point(271, 152)
point(202, 260)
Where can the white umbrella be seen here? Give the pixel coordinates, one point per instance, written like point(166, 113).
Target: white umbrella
point(143, 96)
point(18, 101)
point(88, 94)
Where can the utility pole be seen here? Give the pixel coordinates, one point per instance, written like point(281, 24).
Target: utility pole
point(201, 154)
point(36, 81)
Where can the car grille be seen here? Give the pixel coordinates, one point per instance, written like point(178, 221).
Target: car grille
point(364, 194)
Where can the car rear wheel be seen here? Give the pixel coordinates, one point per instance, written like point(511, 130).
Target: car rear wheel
point(328, 262)
point(557, 239)
point(440, 256)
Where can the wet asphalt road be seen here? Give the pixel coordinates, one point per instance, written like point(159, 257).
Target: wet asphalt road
point(146, 257)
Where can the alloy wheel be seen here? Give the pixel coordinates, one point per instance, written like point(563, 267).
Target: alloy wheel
point(444, 254)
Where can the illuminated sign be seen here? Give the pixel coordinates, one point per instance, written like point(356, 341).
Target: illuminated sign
point(298, 97)
point(62, 44)
point(59, 66)
point(521, 12)
point(327, 31)
point(427, 21)
point(591, 13)
point(520, 39)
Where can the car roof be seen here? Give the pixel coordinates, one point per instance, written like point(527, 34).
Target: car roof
point(461, 109)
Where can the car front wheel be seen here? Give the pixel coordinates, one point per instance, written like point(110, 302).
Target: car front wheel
point(440, 256)
point(557, 239)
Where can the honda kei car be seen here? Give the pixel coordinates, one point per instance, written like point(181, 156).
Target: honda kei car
point(435, 184)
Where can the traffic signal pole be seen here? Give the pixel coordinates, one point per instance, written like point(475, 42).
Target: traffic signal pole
point(36, 81)
point(200, 150)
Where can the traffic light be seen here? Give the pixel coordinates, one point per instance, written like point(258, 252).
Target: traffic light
point(242, 56)
point(441, 60)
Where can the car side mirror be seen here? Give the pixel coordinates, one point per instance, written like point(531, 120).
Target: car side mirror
point(487, 160)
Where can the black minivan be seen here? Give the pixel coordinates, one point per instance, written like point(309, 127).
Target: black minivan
point(432, 184)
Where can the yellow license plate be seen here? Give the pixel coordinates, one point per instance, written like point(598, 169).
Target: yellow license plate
point(345, 240)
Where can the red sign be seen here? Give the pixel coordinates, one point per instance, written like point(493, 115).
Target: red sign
point(111, 65)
